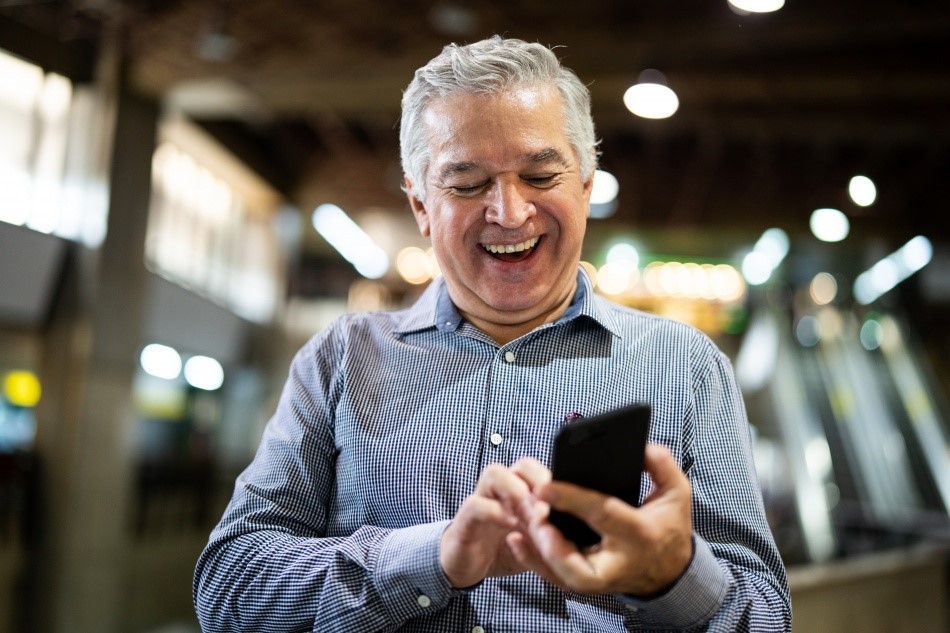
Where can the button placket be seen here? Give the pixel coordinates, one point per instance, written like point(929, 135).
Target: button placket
point(497, 439)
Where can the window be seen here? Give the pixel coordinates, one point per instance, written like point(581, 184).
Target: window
point(210, 225)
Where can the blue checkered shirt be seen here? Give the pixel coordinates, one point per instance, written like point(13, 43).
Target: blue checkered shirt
point(383, 427)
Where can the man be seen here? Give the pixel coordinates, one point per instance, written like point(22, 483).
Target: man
point(401, 484)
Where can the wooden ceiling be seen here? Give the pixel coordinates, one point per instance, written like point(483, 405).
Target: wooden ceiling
point(777, 111)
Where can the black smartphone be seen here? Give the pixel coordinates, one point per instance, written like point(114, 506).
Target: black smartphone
point(603, 453)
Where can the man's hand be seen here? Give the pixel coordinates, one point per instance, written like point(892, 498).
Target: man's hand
point(473, 546)
point(643, 550)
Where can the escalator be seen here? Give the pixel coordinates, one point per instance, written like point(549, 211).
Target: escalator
point(859, 430)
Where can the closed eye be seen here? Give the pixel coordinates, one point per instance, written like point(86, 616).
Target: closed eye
point(468, 190)
point(541, 182)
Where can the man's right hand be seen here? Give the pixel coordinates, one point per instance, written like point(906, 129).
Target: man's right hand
point(473, 546)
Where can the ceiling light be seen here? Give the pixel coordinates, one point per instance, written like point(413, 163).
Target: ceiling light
point(756, 268)
point(204, 372)
point(350, 241)
point(161, 361)
point(871, 335)
point(603, 198)
point(773, 243)
point(413, 265)
point(829, 225)
point(893, 269)
point(915, 254)
point(757, 6)
point(823, 288)
point(606, 187)
point(862, 191)
point(769, 251)
point(650, 97)
point(614, 279)
point(624, 254)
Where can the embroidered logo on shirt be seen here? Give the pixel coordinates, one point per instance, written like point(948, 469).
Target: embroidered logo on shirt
point(573, 416)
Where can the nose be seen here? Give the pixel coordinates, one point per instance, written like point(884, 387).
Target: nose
point(509, 205)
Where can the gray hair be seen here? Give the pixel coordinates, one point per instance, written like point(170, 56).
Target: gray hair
point(485, 67)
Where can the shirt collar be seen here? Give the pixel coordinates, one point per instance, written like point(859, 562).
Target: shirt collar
point(434, 308)
point(588, 304)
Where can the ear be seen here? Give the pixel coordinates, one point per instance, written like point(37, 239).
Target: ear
point(588, 188)
point(418, 208)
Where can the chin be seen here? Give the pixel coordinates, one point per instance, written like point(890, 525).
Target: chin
point(514, 303)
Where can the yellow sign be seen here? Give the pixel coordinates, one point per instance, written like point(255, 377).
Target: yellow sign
point(22, 388)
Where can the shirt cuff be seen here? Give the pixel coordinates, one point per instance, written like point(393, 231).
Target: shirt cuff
point(408, 574)
point(695, 598)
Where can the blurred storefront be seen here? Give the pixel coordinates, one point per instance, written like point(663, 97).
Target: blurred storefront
point(142, 282)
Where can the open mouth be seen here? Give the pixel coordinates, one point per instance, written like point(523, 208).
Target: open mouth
point(512, 252)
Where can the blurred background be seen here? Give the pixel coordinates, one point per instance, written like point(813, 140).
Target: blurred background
point(190, 190)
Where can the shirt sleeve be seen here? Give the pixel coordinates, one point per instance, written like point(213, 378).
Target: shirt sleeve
point(736, 580)
point(269, 565)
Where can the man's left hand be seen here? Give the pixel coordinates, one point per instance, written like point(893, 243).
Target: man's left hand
point(643, 550)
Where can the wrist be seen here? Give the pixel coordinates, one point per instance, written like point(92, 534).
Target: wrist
point(664, 587)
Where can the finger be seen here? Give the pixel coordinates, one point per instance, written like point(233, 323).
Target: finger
point(470, 543)
point(535, 474)
point(664, 471)
point(499, 482)
point(476, 512)
point(560, 559)
point(524, 552)
point(532, 471)
point(605, 514)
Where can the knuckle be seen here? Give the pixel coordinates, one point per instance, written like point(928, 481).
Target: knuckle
point(492, 470)
point(613, 505)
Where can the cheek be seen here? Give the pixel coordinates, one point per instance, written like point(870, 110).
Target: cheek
point(452, 222)
point(574, 211)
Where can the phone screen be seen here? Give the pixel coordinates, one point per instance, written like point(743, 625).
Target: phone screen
point(603, 453)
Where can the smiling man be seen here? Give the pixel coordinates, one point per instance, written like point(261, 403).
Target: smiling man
point(403, 483)
point(505, 204)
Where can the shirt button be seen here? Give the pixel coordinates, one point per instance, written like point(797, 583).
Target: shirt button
point(423, 601)
point(478, 629)
point(496, 439)
point(510, 357)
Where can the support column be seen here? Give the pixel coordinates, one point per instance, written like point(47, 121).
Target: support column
point(85, 433)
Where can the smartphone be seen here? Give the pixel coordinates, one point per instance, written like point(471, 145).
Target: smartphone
point(603, 453)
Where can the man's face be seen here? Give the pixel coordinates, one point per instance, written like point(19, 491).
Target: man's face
point(506, 207)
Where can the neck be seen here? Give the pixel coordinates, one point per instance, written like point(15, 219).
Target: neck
point(503, 333)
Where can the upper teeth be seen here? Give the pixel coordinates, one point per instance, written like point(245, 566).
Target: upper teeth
point(511, 248)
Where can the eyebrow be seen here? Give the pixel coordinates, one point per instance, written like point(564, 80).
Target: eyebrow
point(451, 169)
point(544, 156)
